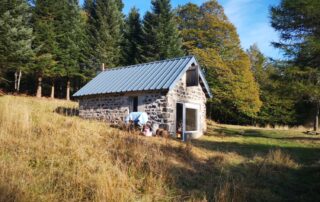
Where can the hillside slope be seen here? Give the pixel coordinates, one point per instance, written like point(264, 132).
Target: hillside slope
point(46, 156)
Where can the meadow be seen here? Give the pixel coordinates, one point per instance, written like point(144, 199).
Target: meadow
point(50, 156)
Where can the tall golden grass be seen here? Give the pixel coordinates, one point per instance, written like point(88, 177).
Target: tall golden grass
point(45, 156)
point(48, 157)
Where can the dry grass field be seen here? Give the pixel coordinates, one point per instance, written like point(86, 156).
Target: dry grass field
point(47, 156)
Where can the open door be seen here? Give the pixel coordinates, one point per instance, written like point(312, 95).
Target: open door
point(187, 119)
point(179, 120)
point(133, 107)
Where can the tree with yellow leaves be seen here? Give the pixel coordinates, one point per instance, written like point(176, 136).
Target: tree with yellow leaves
point(208, 34)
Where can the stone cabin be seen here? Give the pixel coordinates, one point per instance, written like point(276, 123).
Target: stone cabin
point(172, 92)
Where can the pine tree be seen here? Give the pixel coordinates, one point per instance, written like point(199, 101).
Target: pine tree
point(161, 36)
point(15, 38)
point(104, 26)
point(133, 39)
point(209, 35)
point(299, 25)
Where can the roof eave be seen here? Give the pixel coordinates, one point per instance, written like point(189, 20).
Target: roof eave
point(122, 92)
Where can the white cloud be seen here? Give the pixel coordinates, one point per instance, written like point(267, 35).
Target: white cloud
point(251, 19)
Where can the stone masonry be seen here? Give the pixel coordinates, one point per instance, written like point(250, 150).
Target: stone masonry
point(112, 107)
point(183, 94)
point(160, 106)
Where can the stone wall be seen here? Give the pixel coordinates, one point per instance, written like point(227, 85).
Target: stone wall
point(112, 107)
point(160, 106)
point(183, 94)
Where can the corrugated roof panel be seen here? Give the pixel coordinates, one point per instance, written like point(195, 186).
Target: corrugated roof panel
point(135, 76)
point(149, 73)
point(160, 78)
point(162, 70)
point(173, 73)
point(176, 75)
point(158, 75)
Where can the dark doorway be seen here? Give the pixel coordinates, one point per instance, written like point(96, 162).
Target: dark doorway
point(179, 120)
point(135, 104)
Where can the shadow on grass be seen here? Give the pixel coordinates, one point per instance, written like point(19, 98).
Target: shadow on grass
point(213, 180)
point(10, 193)
point(259, 133)
point(301, 155)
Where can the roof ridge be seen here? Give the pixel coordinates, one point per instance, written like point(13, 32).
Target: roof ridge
point(153, 62)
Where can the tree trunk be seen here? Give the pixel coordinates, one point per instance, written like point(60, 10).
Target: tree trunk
point(15, 80)
point(52, 90)
point(19, 79)
point(68, 90)
point(39, 89)
point(316, 118)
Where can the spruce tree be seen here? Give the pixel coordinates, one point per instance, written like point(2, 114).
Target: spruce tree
point(208, 34)
point(16, 37)
point(69, 36)
point(58, 38)
point(44, 44)
point(161, 36)
point(133, 39)
point(89, 64)
point(104, 28)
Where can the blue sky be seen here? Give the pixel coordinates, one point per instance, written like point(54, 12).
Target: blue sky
point(251, 18)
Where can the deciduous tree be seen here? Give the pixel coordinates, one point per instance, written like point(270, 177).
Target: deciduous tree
point(278, 106)
point(208, 34)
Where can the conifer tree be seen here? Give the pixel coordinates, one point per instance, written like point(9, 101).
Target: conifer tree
point(15, 38)
point(69, 36)
point(298, 23)
point(133, 39)
point(104, 27)
point(161, 36)
point(59, 34)
point(89, 64)
point(208, 34)
point(44, 44)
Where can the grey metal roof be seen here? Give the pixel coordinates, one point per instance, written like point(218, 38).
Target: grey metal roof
point(159, 75)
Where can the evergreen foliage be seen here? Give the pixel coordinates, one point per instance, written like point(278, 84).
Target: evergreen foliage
point(161, 35)
point(299, 25)
point(58, 39)
point(133, 39)
point(16, 37)
point(45, 44)
point(105, 24)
